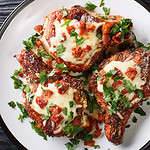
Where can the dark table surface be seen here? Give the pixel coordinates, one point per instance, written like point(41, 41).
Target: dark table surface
point(6, 7)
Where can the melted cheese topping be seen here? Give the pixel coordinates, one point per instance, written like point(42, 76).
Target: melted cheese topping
point(58, 99)
point(123, 66)
point(70, 42)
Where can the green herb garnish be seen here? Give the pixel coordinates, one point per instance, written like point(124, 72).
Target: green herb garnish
point(140, 94)
point(72, 130)
point(96, 146)
point(65, 111)
point(44, 54)
point(128, 126)
point(66, 23)
point(71, 104)
point(30, 97)
point(43, 77)
point(38, 130)
point(23, 111)
point(134, 119)
point(130, 87)
point(140, 111)
point(115, 29)
point(17, 82)
point(70, 117)
point(65, 13)
point(12, 104)
point(102, 3)
point(61, 66)
point(90, 6)
point(60, 50)
point(31, 41)
point(142, 45)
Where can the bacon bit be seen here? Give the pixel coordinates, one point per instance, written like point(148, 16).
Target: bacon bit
point(117, 84)
point(131, 73)
point(38, 28)
point(47, 93)
point(64, 88)
point(78, 52)
point(82, 28)
point(64, 36)
point(124, 92)
point(35, 88)
point(70, 28)
point(100, 117)
point(103, 80)
point(119, 73)
point(49, 63)
point(55, 114)
point(56, 118)
point(38, 43)
point(20, 75)
point(138, 59)
point(76, 121)
point(117, 38)
point(90, 143)
point(97, 133)
point(41, 102)
point(102, 73)
point(90, 27)
point(88, 48)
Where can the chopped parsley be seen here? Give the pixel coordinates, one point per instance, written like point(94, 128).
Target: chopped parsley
point(70, 117)
point(128, 126)
point(71, 104)
point(115, 29)
point(60, 50)
point(102, 3)
point(96, 147)
point(124, 27)
point(130, 87)
point(17, 72)
point(85, 136)
point(118, 78)
point(30, 97)
point(72, 130)
point(66, 23)
point(90, 6)
point(61, 66)
point(140, 111)
point(69, 146)
point(75, 141)
point(17, 82)
point(140, 94)
point(99, 35)
point(65, 13)
point(12, 104)
point(43, 77)
point(106, 11)
point(23, 111)
point(31, 41)
point(148, 103)
point(142, 45)
point(111, 73)
point(134, 119)
point(79, 41)
point(38, 130)
point(51, 105)
point(65, 111)
point(44, 54)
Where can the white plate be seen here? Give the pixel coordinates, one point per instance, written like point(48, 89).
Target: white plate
point(11, 43)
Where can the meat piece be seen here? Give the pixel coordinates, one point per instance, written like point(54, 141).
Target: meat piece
point(120, 102)
point(32, 64)
point(80, 38)
point(63, 104)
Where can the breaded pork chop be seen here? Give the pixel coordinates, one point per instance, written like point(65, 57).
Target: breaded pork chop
point(120, 86)
point(78, 37)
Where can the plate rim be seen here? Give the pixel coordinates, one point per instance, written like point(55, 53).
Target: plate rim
point(4, 26)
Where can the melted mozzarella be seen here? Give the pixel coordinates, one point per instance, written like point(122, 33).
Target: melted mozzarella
point(123, 66)
point(58, 99)
point(70, 42)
